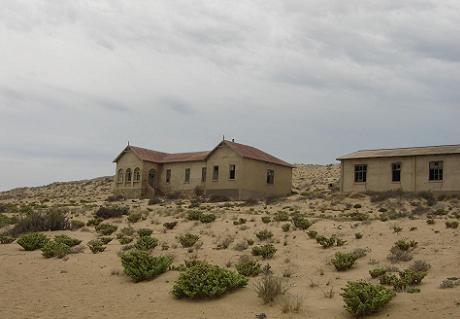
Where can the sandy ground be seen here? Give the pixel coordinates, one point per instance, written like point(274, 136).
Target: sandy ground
point(87, 285)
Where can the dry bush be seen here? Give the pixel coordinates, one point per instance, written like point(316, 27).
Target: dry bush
point(269, 287)
point(291, 304)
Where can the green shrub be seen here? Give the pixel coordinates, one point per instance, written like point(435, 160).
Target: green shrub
point(281, 217)
point(169, 225)
point(343, 261)
point(411, 277)
point(266, 219)
point(358, 235)
point(363, 298)
point(94, 221)
point(188, 240)
point(207, 281)
point(134, 217)
point(127, 231)
point(144, 232)
point(300, 222)
point(55, 249)
point(326, 242)
point(32, 241)
point(264, 234)
point(67, 240)
point(96, 246)
point(124, 240)
point(139, 265)
point(312, 234)
point(106, 229)
point(286, 227)
point(111, 212)
point(452, 224)
point(194, 215)
point(404, 245)
point(146, 243)
point(207, 218)
point(105, 239)
point(377, 272)
point(76, 224)
point(248, 267)
point(5, 220)
point(388, 279)
point(266, 251)
point(37, 222)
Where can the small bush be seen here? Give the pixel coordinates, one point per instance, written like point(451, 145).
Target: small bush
point(37, 222)
point(358, 235)
point(127, 231)
point(111, 212)
point(76, 224)
point(134, 217)
point(188, 240)
point(405, 245)
point(343, 261)
point(363, 298)
point(67, 240)
point(326, 242)
point(207, 218)
point(264, 234)
point(139, 265)
point(169, 225)
point(207, 281)
point(286, 227)
point(94, 221)
point(266, 219)
point(106, 229)
point(281, 217)
point(5, 239)
point(55, 249)
point(96, 246)
point(301, 223)
point(452, 224)
point(269, 287)
point(397, 254)
point(248, 267)
point(266, 251)
point(105, 239)
point(312, 234)
point(420, 266)
point(194, 215)
point(377, 272)
point(144, 232)
point(146, 243)
point(124, 240)
point(32, 241)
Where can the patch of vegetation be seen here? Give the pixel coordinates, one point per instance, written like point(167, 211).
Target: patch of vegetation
point(5, 220)
point(139, 265)
point(96, 246)
point(124, 240)
point(188, 240)
point(32, 241)
point(55, 249)
point(106, 229)
point(452, 224)
point(248, 267)
point(76, 224)
point(146, 243)
point(358, 235)
point(94, 221)
point(207, 281)
point(134, 217)
point(144, 232)
point(169, 225)
point(266, 219)
point(286, 227)
point(207, 218)
point(269, 287)
point(194, 215)
point(111, 212)
point(344, 261)
point(420, 266)
point(6, 239)
point(301, 222)
point(264, 234)
point(377, 272)
point(67, 240)
point(36, 222)
point(281, 216)
point(312, 234)
point(326, 242)
point(105, 239)
point(363, 298)
point(265, 251)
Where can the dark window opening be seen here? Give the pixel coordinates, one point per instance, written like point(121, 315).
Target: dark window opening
point(360, 173)
point(187, 175)
point(215, 173)
point(168, 176)
point(436, 171)
point(128, 175)
point(232, 172)
point(203, 174)
point(270, 176)
point(396, 172)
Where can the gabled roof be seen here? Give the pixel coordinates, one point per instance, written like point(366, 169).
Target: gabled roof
point(245, 151)
point(403, 152)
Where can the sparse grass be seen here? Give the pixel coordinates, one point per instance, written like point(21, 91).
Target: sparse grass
point(264, 235)
point(269, 287)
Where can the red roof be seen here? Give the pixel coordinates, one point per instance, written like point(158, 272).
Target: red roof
point(245, 151)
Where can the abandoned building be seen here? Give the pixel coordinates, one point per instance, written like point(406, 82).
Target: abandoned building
point(231, 169)
point(414, 169)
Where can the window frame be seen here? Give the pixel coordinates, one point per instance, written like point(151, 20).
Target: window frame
point(129, 175)
point(203, 174)
point(168, 176)
point(270, 176)
point(436, 174)
point(396, 168)
point(120, 176)
point(215, 173)
point(187, 174)
point(360, 175)
point(230, 171)
point(137, 175)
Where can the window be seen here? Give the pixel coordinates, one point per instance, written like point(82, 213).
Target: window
point(396, 172)
point(187, 175)
point(360, 173)
point(128, 175)
point(436, 171)
point(203, 174)
point(270, 176)
point(168, 176)
point(120, 176)
point(215, 173)
point(231, 172)
point(137, 174)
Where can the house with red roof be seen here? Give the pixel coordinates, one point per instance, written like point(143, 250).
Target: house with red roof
point(232, 170)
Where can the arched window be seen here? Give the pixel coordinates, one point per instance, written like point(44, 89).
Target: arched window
point(120, 176)
point(137, 174)
point(128, 175)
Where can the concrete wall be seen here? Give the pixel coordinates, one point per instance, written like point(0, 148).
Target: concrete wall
point(178, 176)
point(414, 174)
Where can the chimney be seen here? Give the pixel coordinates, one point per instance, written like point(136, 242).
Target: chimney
point(233, 140)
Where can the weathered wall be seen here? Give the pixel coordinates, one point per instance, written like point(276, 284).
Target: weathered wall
point(414, 174)
point(178, 176)
point(128, 189)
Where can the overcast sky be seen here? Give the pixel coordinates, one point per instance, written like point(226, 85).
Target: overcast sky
point(304, 80)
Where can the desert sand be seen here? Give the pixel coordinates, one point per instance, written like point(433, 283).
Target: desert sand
point(87, 285)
